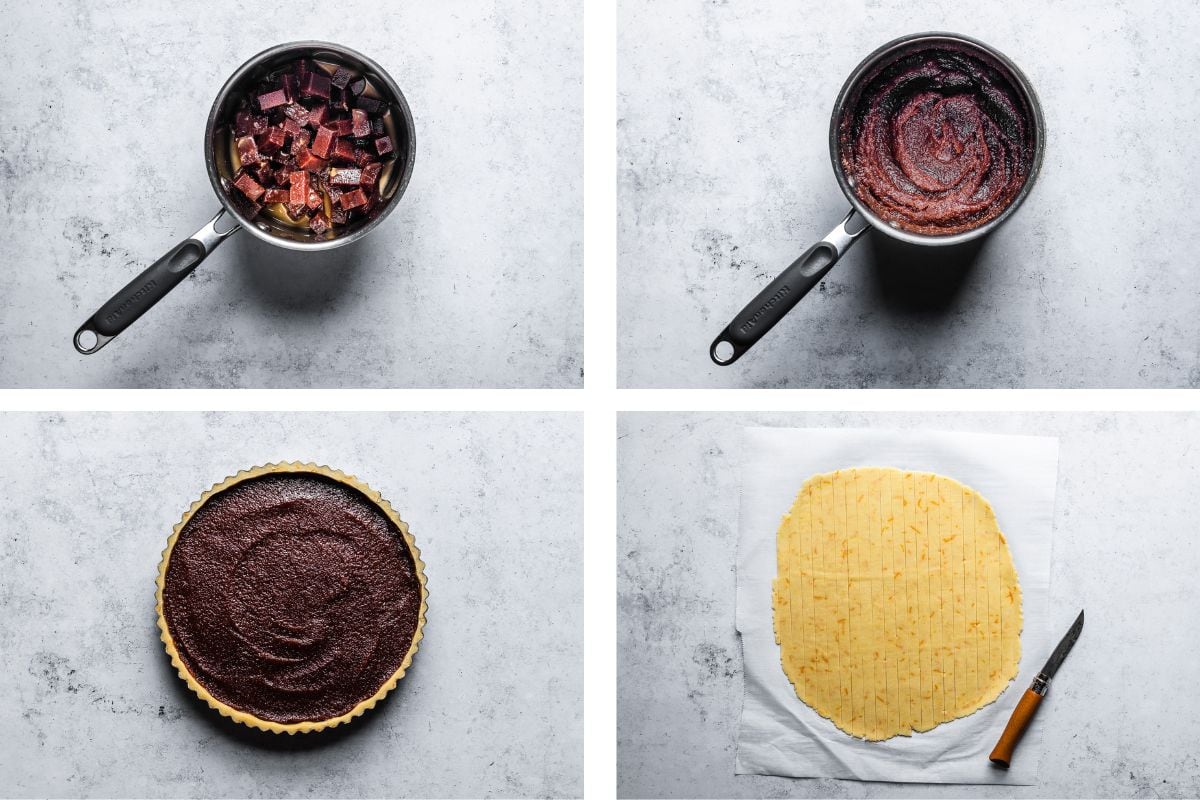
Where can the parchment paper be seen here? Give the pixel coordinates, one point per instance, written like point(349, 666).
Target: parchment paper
point(779, 734)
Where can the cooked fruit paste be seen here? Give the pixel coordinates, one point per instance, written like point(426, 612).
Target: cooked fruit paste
point(291, 597)
point(938, 141)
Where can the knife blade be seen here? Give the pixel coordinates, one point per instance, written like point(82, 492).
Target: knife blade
point(1023, 714)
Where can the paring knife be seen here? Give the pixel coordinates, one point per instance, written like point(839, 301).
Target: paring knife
point(1023, 713)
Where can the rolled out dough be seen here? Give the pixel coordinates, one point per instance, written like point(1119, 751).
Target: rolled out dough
point(897, 607)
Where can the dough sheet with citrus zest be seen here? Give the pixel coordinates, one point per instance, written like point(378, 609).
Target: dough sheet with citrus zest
point(896, 605)
point(781, 734)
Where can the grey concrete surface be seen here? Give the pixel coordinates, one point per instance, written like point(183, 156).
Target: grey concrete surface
point(492, 706)
point(724, 179)
point(1122, 717)
point(475, 280)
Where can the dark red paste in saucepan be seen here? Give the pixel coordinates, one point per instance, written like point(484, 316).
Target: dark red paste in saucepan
point(938, 141)
point(292, 597)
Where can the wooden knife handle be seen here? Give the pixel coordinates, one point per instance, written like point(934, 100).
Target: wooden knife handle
point(1015, 729)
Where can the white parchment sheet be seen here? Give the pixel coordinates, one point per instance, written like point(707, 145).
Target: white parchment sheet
point(779, 734)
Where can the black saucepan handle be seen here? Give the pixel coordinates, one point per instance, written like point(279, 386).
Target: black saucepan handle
point(782, 294)
point(151, 286)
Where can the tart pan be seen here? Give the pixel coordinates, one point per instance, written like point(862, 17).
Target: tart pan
point(244, 717)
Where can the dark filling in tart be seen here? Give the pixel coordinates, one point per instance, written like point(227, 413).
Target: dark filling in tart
point(937, 142)
point(292, 597)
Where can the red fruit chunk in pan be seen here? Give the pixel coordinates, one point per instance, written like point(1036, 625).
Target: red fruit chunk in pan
point(249, 187)
point(310, 162)
point(314, 200)
point(323, 142)
point(341, 77)
point(370, 105)
point(343, 150)
point(377, 127)
point(243, 123)
point(288, 85)
point(299, 193)
point(340, 127)
point(337, 99)
point(346, 177)
point(318, 225)
point(362, 157)
point(314, 84)
point(300, 142)
point(340, 216)
point(263, 172)
point(291, 127)
point(248, 150)
point(370, 175)
point(383, 145)
point(361, 125)
point(298, 113)
point(272, 99)
point(272, 141)
point(317, 115)
point(358, 86)
point(354, 199)
point(276, 196)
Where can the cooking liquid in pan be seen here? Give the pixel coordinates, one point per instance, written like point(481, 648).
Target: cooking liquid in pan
point(279, 210)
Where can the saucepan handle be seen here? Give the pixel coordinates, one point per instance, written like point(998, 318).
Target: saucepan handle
point(148, 288)
point(782, 294)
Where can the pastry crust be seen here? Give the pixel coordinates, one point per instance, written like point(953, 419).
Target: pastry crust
point(897, 606)
point(246, 718)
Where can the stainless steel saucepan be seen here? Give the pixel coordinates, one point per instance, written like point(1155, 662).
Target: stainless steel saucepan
point(165, 274)
point(783, 293)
